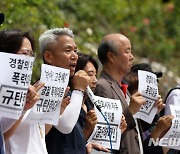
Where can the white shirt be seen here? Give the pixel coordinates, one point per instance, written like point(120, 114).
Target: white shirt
point(69, 117)
point(29, 138)
point(6, 123)
point(172, 99)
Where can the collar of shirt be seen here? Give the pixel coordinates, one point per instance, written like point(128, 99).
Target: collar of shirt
point(124, 86)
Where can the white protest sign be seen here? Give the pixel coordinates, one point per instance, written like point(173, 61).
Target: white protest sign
point(172, 137)
point(112, 110)
point(175, 111)
point(148, 87)
point(16, 71)
point(47, 109)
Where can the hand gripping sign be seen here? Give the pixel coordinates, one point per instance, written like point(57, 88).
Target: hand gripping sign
point(112, 110)
point(148, 87)
point(172, 138)
point(47, 109)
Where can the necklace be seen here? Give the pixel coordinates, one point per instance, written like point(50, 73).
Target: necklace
point(40, 130)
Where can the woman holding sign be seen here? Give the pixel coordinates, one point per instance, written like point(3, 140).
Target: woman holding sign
point(88, 117)
point(15, 41)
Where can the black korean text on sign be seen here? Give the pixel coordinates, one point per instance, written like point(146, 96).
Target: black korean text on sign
point(147, 105)
point(109, 116)
point(151, 91)
point(56, 76)
point(21, 78)
point(151, 80)
point(12, 62)
point(49, 75)
point(107, 105)
point(19, 64)
point(102, 132)
point(57, 91)
point(64, 76)
point(16, 77)
point(17, 96)
point(47, 105)
point(177, 113)
point(46, 90)
point(150, 94)
point(12, 97)
point(176, 124)
point(28, 65)
point(61, 77)
point(25, 79)
point(53, 91)
point(175, 134)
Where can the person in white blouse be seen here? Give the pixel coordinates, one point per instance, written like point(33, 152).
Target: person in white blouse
point(172, 98)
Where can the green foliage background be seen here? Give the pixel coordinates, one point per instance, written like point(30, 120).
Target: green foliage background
point(151, 25)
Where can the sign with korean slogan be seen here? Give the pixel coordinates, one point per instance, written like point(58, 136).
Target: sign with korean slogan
point(112, 110)
point(172, 137)
point(175, 111)
point(148, 87)
point(16, 71)
point(47, 109)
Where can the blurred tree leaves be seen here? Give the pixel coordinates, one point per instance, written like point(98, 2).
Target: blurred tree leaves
point(151, 25)
point(32, 15)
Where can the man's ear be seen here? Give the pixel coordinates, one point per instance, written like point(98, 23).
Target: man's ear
point(48, 57)
point(110, 56)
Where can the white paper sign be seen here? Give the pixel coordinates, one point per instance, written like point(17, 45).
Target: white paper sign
point(172, 138)
point(47, 109)
point(112, 110)
point(148, 87)
point(16, 71)
point(175, 111)
point(173, 135)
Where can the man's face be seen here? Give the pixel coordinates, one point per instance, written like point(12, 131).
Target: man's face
point(124, 58)
point(64, 54)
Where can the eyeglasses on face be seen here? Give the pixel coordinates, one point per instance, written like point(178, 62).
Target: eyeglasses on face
point(27, 52)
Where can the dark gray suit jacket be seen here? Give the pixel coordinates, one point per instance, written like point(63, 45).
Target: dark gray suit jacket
point(107, 87)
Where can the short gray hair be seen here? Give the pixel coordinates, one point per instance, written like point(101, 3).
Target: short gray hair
point(49, 38)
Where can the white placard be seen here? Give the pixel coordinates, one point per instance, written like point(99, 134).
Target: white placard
point(47, 109)
point(148, 87)
point(172, 137)
point(16, 72)
point(112, 110)
point(175, 111)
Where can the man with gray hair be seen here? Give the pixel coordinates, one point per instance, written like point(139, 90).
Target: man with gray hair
point(59, 49)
